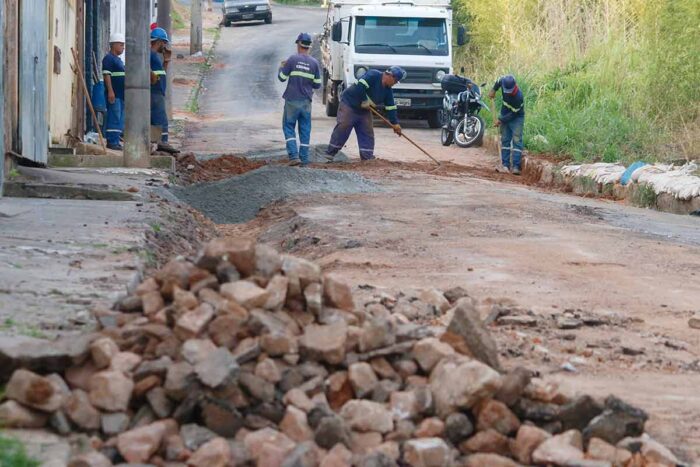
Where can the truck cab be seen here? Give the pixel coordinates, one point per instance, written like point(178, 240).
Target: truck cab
point(415, 35)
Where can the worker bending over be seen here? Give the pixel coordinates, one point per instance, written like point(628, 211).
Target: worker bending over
point(373, 88)
point(511, 122)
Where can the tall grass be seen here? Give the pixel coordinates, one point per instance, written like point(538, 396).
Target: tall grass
point(603, 79)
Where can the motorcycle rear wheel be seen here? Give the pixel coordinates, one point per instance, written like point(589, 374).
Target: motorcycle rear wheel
point(446, 137)
point(471, 136)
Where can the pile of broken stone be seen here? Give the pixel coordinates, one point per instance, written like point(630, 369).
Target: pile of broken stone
point(244, 357)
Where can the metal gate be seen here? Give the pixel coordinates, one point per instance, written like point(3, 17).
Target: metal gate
point(33, 80)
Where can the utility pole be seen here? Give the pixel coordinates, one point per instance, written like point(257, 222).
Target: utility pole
point(196, 27)
point(165, 22)
point(2, 97)
point(137, 118)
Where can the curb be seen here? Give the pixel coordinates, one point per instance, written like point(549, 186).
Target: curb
point(546, 174)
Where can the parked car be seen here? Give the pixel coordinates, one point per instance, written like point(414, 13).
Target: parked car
point(235, 11)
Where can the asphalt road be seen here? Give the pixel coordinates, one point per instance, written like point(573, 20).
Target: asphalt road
point(242, 104)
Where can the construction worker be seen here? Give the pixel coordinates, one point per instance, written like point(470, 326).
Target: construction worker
point(114, 76)
point(373, 88)
point(303, 74)
point(511, 122)
point(159, 115)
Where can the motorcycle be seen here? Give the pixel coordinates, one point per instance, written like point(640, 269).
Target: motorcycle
point(461, 122)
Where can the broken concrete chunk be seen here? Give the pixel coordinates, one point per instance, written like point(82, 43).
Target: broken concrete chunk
point(326, 343)
point(366, 416)
point(428, 352)
point(427, 452)
point(192, 323)
point(337, 293)
point(111, 391)
point(239, 252)
point(217, 368)
point(102, 351)
point(246, 294)
point(562, 449)
point(459, 383)
point(34, 391)
point(14, 415)
point(81, 412)
point(468, 335)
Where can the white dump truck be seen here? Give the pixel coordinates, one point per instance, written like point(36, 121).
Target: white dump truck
point(416, 35)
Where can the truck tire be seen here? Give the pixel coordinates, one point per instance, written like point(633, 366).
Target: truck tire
point(331, 102)
point(434, 120)
point(268, 20)
point(227, 23)
point(331, 107)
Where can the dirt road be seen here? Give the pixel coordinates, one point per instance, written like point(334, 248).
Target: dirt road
point(637, 271)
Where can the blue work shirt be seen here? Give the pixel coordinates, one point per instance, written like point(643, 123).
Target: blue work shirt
point(157, 68)
point(513, 104)
point(370, 87)
point(303, 74)
point(113, 66)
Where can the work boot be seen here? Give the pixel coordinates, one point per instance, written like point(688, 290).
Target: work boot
point(115, 147)
point(329, 158)
point(502, 169)
point(165, 147)
point(294, 162)
point(516, 171)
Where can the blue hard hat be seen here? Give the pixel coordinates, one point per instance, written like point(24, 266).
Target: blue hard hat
point(508, 83)
point(159, 34)
point(397, 72)
point(304, 40)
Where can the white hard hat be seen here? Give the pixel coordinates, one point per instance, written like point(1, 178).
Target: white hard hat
point(116, 37)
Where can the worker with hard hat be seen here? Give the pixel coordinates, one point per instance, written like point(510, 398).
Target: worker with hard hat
point(159, 115)
point(373, 88)
point(113, 72)
point(303, 75)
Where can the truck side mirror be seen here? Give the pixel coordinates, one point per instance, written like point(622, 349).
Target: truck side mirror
point(337, 32)
point(462, 37)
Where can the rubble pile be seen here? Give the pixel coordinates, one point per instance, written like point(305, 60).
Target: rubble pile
point(246, 357)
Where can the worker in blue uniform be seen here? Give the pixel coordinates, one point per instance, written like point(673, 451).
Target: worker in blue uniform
point(303, 75)
point(159, 114)
point(113, 72)
point(372, 89)
point(510, 121)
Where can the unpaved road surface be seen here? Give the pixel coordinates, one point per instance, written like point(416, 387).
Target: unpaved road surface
point(537, 253)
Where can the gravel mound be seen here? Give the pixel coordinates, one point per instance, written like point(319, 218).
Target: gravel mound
point(239, 199)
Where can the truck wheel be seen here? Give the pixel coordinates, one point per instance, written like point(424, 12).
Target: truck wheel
point(434, 119)
point(331, 107)
point(268, 20)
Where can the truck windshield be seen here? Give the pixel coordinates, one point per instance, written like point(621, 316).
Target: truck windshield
point(405, 36)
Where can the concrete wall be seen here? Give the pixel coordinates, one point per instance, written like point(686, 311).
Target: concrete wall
point(62, 80)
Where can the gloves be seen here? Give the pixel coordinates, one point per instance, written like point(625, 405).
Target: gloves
point(397, 129)
point(492, 94)
point(366, 105)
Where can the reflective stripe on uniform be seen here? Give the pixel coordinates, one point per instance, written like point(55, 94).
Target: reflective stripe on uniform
point(106, 72)
point(118, 73)
point(283, 76)
point(290, 139)
point(159, 72)
point(318, 81)
point(113, 131)
point(511, 108)
point(301, 74)
point(364, 83)
point(390, 107)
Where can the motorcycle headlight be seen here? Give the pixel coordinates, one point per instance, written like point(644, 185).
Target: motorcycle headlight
point(439, 75)
point(360, 71)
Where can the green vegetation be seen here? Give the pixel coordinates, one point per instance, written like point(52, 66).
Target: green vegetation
point(603, 80)
point(177, 21)
point(22, 329)
point(12, 454)
point(13, 174)
point(193, 101)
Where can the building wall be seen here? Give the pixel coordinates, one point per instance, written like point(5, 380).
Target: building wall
point(62, 80)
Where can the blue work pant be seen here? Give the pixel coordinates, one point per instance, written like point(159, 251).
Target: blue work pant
point(159, 116)
point(114, 122)
point(297, 113)
point(348, 119)
point(512, 142)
